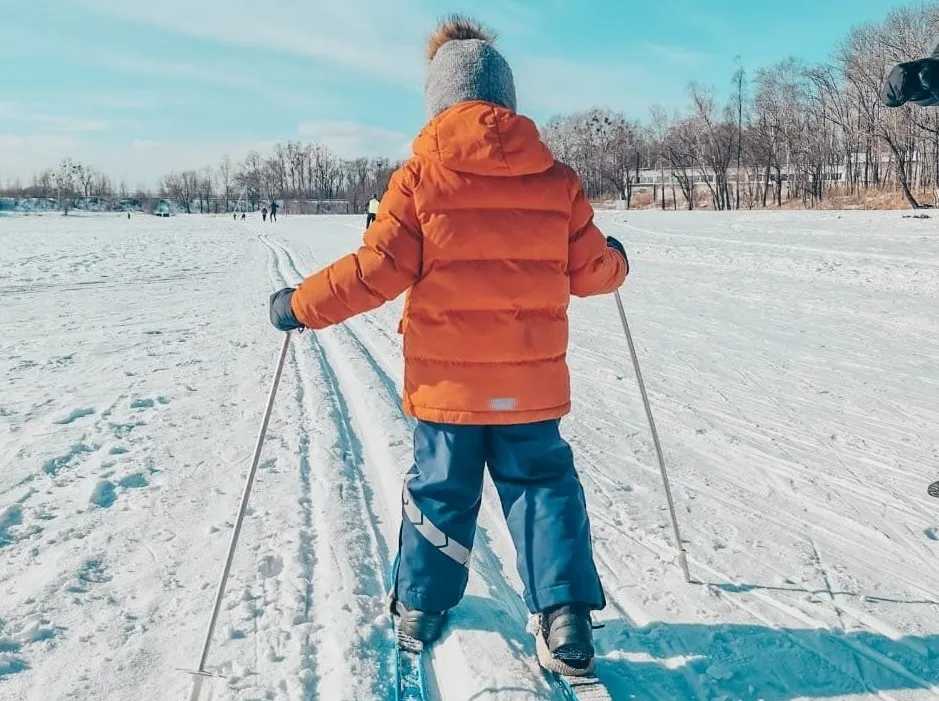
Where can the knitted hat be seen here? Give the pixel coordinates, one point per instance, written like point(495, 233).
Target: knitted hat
point(464, 66)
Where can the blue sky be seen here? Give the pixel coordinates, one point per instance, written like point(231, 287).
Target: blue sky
point(138, 88)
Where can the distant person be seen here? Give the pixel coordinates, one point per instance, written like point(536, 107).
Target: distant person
point(274, 208)
point(264, 214)
point(128, 215)
point(243, 216)
point(372, 210)
point(235, 216)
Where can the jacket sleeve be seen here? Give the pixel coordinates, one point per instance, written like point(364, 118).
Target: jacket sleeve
point(593, 267)
point(387, 263)
point(913, 81)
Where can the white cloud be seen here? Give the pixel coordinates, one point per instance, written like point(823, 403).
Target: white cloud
point(25, 156)
point(548, 85)
point(350, 139)
point(137, 162)
point(144, 161)
point(39, 121)
point(371, 37)
point(41, 144)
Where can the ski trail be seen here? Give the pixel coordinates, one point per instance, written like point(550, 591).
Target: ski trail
point(791, 611)
point(348, 646)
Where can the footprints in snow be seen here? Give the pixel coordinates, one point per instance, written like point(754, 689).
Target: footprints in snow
point(53, 466)
point(134, 481)
point(148, 403)
point(117, 429)
point(96, 451)
point(11, 517)
point(32, 630)
point(104, 494)
point(91, 572)
point(74, 416)
point(270, 566)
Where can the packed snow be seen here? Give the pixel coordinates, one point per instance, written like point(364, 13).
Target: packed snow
point(791, 361)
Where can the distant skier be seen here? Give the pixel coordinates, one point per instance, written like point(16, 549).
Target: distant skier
point(914, 81)
point(244, 216)
point(491, 236)
point(373, 206)
point(264, 214)
point(274, 208)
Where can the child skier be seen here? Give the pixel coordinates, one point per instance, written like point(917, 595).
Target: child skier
point(490, 236)
point(373, 206)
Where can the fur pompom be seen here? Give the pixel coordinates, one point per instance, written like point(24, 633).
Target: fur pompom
point(456, 28)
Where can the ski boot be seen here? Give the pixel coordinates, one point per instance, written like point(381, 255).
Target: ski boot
point(564, 640)
point(417, 629)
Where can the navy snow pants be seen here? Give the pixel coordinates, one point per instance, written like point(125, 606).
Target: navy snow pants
point(542, 499)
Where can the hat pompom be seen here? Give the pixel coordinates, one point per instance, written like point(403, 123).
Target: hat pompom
point(457, 28)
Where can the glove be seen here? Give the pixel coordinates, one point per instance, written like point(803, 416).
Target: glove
point(618, 247)
point(913, 81)
point(929, 79)
point(282, 315)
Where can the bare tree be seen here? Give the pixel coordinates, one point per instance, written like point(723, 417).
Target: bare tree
point(66, 178)
point(226, 181)
point(740, 77)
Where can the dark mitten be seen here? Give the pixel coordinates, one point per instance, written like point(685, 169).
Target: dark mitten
point(618, 247)
point(282, 315)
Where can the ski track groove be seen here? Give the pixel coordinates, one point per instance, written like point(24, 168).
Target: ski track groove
point(366, 578)
point(308, 540)
point(790, 610)
point(345, 420)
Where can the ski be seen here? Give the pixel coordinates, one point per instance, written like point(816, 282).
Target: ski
point(572, 688)
point(584, 688)
point(410, 674)
point(409, 670)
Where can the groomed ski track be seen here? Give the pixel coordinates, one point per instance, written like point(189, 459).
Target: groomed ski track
point(790, 360)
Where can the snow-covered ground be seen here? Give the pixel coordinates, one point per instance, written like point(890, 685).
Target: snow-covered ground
point(791, 360)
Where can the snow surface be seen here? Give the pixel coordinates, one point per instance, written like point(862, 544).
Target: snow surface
point(791, 360)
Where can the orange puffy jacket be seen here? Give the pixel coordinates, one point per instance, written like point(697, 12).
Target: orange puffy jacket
point(492, 236)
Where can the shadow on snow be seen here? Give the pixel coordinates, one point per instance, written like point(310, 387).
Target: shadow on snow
point(734, 661)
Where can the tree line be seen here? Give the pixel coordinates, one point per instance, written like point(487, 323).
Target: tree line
point(297, 175)
point(787, 132)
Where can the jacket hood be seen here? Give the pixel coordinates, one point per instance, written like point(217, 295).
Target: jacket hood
point(484, 139)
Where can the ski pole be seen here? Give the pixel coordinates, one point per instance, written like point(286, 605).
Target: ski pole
point(200, 675)
point(682, 555)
